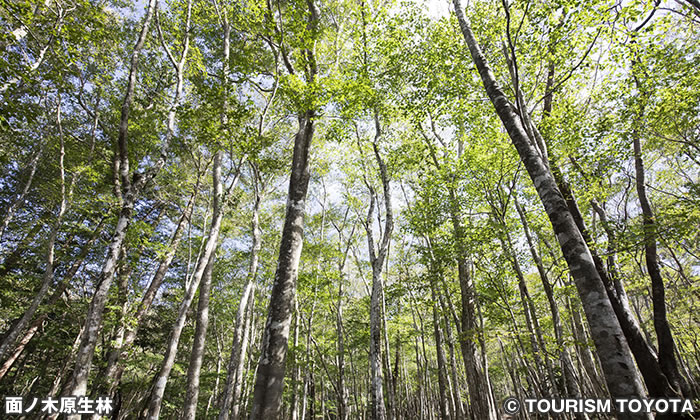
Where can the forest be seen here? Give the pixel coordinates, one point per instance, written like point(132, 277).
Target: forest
point(348, 209)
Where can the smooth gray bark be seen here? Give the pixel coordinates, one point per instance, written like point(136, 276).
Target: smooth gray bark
point(377, 257)
point(200, 334)
point(269, 380)
point(204, 266)
point(230, 404)
point(616, 359)
point(47, 279)
point(93, 319)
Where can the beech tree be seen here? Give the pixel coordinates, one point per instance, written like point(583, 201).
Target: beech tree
point(382, 210)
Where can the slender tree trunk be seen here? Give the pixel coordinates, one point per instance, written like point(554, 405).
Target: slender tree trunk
point(667, 357)
point(215, 392)
point(240, 363)
point(9, 214)
point(248, 385)
point(267, 400)
point(396, 374)
point(377, 257)
point(419, 401)
point(204, 266)
point(342, 401)
point(586, 357)
point(389, 377)
point(200, 334)
point(618, 365)
point(565, 361)
point(482, 406)
point(65, 369)
point(443, 402)
point(234, 378)
point(115, 339)
point(377, 389)
point(312, 393)
point(459, 411)
point(93, 319)
point(484, 359)
point(47, 279)
point(116, 356)
point(531, 321)
point(296, 373)
point(342, 392)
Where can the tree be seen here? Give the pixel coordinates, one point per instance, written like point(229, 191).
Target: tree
point(611, 344)
point(466, 281)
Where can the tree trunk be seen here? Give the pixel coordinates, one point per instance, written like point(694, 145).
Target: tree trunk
point(93, 319)
point(269, 381)
point(9, 214)
point(667, 357)
point(294, 406)
point(377, 257)
point(377, 389)
point(47, 279)
point(616, 358)
point(342, 401)
point(200, 334)
point(388, 377)
point(204, 266)
point(482, 406)
point(531, 321)
point(116, 356)
point(234, 378)
point(247, 385)
point(215, 391)
point(459, 412)
point(443, 402)
point(572, 387)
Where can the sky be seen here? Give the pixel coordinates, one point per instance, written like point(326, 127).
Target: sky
point(436, 8)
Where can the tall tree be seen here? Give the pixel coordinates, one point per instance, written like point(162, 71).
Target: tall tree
point(131, 191)
point(616, 358)
point(377, 258)
point(269, 380)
